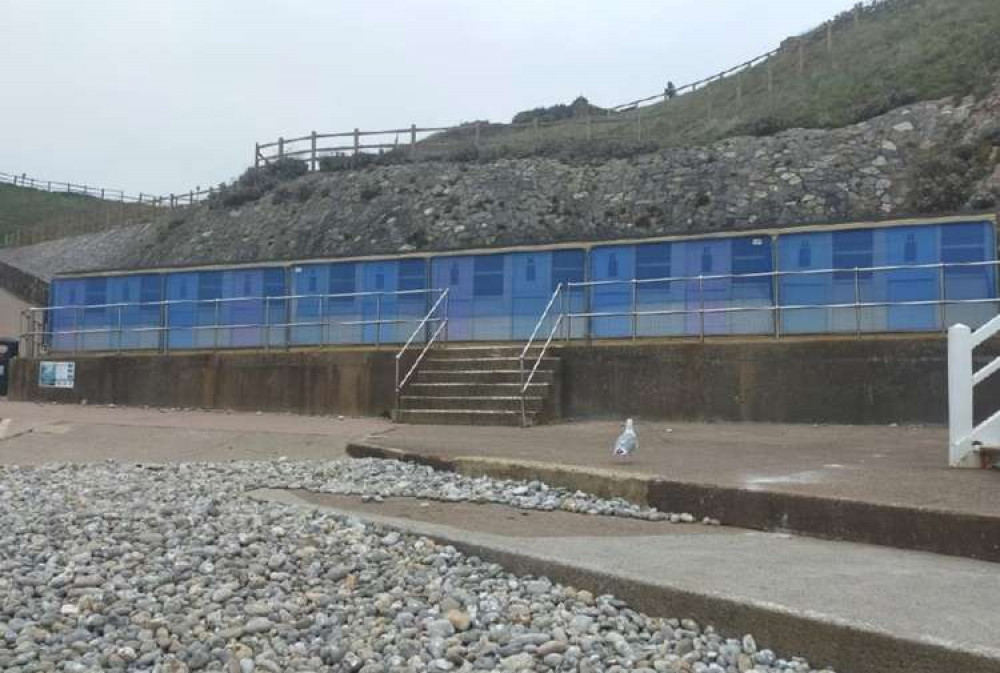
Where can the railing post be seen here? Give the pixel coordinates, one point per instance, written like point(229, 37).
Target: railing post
point(447, 314)
point(281, 148)
point(267, 324)
point(960, 449)
point(567, 328)
point(357, 141)
point(776, 282)
point(701, 306)
point(313, 161)
point(413, 141)
point(857, 301)
point(216, 324)
point(635, 308)
point(942, 305)
point(256, 155)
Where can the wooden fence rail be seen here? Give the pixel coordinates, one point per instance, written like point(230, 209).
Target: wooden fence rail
point(188, 198)
point(633, 120)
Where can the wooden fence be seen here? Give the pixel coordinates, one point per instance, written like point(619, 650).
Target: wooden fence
point(639, 120)
point(190, 197)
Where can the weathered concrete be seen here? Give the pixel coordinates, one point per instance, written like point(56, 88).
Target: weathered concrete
point(881, 485)
point(857, 608)
point(344, 381)
point(35, 434)
point(876, 380)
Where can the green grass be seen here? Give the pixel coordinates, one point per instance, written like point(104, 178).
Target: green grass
point(897, 53)
point(31, 215)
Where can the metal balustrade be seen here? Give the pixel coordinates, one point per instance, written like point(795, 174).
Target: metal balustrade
point(231, 322)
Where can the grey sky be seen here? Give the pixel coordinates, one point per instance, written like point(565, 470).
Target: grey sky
point(162, 95)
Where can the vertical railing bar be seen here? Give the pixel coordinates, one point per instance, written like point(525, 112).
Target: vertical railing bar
point(267, 324)
point(857, 301)
point(635, 308)
point(777, 304)
point(942, 306)
point(701, 307)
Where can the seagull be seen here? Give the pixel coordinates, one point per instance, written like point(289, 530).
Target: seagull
point(627, 442)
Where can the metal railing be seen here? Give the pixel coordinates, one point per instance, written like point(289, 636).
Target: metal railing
point(526, 382)
point(148, 325)
point(421, 327)
point(858, 281)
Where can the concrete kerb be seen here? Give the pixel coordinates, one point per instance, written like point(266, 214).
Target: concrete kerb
point(920, 529)
point(846, 646)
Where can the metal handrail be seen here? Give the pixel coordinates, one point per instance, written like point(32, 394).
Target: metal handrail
point(780, 273)
point(225, 300)
point(423, 323)
point(525, 384)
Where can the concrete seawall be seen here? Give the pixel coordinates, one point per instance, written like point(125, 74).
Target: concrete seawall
point(845, 381)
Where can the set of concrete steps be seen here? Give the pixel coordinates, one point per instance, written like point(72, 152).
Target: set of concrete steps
point(480, 385)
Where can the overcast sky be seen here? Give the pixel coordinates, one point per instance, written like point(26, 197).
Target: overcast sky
point(163, 95)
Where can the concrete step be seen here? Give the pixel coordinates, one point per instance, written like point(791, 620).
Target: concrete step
point(473, 389)
point(487, 351)
point(473, 402)
point(424, 375)
point(486, 363)
point(461, 417)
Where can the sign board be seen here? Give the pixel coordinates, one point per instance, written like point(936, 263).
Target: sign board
point(56, 374)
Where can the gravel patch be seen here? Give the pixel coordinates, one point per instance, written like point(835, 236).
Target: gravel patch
point(375, 479)
point(110, 567)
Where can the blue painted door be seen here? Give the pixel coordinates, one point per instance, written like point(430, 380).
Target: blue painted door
point(911, 246)
point(532, 288)
point(455, 275)
point(617, 265)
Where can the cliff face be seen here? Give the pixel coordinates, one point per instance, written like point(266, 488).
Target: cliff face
point(879, 168)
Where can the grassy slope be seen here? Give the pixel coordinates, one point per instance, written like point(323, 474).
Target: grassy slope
point(29, 215)
point(902, 52)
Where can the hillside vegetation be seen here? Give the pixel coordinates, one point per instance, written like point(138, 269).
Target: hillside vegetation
point(31, 215)
point(873, 59)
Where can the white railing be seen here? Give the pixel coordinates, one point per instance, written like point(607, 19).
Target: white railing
point(969, 444)
point(526, 382)
point(442, 327)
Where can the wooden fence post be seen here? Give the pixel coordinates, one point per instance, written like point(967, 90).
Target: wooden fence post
point(739, 87)
point(313, 162)
point(256, 155)
point(413, 141)
point(172, 201)
point(638, 123)
point(281, 148)
point(357, 141)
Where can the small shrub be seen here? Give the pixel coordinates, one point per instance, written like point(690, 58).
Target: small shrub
point(281, 196)
point(305, 192)
point(370, 191)
point(944, 181)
